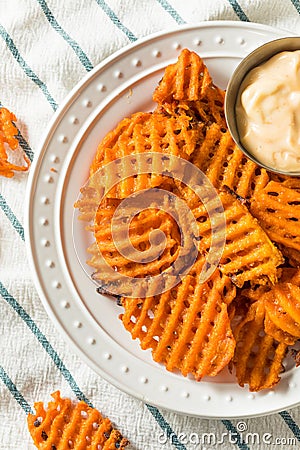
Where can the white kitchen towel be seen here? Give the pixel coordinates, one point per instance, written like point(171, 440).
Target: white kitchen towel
point(46, 48)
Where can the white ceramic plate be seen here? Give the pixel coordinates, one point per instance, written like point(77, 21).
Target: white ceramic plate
point(119, 86)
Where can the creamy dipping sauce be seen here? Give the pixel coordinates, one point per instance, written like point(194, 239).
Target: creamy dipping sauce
point(268, 112)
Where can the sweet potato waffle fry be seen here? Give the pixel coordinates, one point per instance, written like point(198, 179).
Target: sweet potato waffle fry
point(209, 109)
point(258, 357)
point(140, 228)
point(8, 131)
point(281, 305)
point(277, 333)
point(283, 308)
point(254, 293)
point(225, 165)
point(143, 133)
point(249, 255)
point(66, 425)
point(290, 275)
point(188, 327)
point(187, 88)
point(106, 250)
point(134, 236)
point(291, 255)
point(278, 210)
point(186, 80)
point(286, 180)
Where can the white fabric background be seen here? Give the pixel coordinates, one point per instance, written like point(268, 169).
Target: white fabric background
point(52, 59)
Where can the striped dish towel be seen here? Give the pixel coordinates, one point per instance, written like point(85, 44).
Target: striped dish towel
point(46, 48)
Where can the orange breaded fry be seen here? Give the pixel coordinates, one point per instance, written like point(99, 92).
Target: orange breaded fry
point(225, 165)
point(291, 254)
point(290, 275)
point(124, 128)
point(283, 306)
point(187, 80)
point(208, 109)
point(68, 425)
point(278, 210)
point(286, 180)
point(139, 134)
point(258, 357)
point(294, 277)
point(277, 333)
point(8, 131)
point(187, 88)
point(188, 327)
point(140, 228)
point(255, 292)
point(248, 255)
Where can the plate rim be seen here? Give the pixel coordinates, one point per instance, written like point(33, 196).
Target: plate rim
point(32, 179)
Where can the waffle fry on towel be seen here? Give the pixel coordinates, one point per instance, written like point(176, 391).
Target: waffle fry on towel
point(188, 327)
point(258, 358)
point(65, 424)
point(139, 134)
point(248, 255)
point(8, 131)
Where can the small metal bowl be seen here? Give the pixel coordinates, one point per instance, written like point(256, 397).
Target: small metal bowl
point(254, 59)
